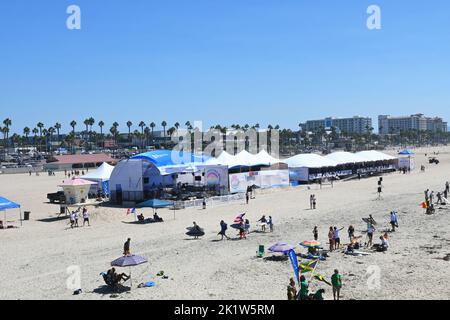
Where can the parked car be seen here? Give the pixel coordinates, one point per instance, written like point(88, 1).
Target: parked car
point(57, 197)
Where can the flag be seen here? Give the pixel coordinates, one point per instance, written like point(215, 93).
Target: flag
point(321, 278)
point(294, 262)
point(130, 211)
point(308, 267)
point(239, 218)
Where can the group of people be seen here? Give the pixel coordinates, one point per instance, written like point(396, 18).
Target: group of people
point(334, 238)
point(243, 226)
point(114, 279)
point(440, 198)
point(302, 293)
point(74, 173)
point(75, 215)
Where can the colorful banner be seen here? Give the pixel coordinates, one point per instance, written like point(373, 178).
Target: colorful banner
point(294, 262)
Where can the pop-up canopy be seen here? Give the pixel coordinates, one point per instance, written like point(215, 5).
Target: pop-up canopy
point(6, 204)
point(102, 173)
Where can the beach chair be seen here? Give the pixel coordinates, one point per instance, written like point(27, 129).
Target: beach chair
point(260, 252)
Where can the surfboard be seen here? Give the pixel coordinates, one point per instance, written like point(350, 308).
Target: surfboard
point(367, 220)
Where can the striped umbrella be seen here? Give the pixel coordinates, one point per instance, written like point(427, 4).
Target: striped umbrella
point(310, 244)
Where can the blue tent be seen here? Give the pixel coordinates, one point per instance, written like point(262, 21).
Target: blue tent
point(6, 204)
point(406, 152)
point(155, 203)
point(161, 158)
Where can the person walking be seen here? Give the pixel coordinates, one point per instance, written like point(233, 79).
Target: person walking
point(223, 230)
point(270, 223)
point(86, 217)
point(394, 221)
point(336, 281)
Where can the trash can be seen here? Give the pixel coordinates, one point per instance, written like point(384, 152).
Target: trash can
point(62, 210)
point(26, 215)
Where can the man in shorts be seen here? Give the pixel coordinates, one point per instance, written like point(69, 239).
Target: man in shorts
point(336, 281)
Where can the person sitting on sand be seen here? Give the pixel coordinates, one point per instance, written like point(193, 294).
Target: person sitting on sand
point(141, 217)
point(291, 290)
point(117, 278)
point(157, 218)
point(382, 246)
point(318, 295)
point(263, 221)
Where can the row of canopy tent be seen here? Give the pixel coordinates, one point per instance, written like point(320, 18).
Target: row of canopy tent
point(169, 162)
point(335, 159)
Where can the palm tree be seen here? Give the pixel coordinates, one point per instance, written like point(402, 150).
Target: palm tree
point(35, 132)
point(152, 126)
point(129, 124)
point(147, 132)
point(73, 124)
point(101, 124)
point(51, 132)
point(7, 122)
point(26, 132)
point(142, 126)
point(58, 128)
point(164, 125)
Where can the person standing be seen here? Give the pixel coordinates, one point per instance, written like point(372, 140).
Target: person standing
point(76, 217)
point(126, 247)
point(223, 230)
point(304, 289)
point(311, 201)
point(86, 217)
point(314, 202)
point(247, 197)
point(336, 281)
point(72, 219)
point(337, 238)
point(394, 221)
point(291, 290)
point(351, 233)
point(370, 231)
point(270, 223)
point(447, 187)
point(331, 238)
point(316, 233)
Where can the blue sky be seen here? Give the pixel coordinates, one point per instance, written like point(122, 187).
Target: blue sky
point(221, 61)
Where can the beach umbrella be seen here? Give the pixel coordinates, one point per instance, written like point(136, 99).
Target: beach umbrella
point(281, 247)
point(129, 261)
point(310, 244)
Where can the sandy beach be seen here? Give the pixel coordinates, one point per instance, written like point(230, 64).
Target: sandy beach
point(36, 256)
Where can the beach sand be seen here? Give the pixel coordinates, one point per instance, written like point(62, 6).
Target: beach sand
point(36, 256)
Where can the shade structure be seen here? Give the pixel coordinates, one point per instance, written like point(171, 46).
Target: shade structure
point(6, 204)
point(406, 152)
point(310, 244)
point(155, 203)
point(75, 183)
point(281, 247)
point(373, 155)
point(342, 158)
point(102, 173)
point(128, 261)
point(310, 160)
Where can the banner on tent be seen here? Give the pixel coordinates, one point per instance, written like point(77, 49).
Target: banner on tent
point(263, 179)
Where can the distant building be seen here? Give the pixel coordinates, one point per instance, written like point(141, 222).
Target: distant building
point(357, 124)
point(78, 161)
point(418, 122)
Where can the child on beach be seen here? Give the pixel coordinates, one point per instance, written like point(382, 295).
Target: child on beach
point(351, 233)
point(126, 247)
point(86, 217)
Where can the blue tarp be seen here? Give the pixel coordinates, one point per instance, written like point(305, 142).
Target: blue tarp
point(161, 158)
point(154, 203)
point(406, 152)
point(7, 204)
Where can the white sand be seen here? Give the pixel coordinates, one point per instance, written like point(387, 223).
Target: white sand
point(35, 257)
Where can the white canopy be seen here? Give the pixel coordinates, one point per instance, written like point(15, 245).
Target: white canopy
point(244, 159)
point(102, 173)
point(310, 160)
point(342, 157)
point(373, 155)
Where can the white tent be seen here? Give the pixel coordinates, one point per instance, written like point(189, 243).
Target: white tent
point(263, 157)
point(244, 159)
point(310, 160)
point(372, 155)
point(102, 173)
point(342, 157)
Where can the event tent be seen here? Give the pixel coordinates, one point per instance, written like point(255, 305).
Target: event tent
point(372, 155)
point(406, 152)
point(6, 204)
point(101, 176)
point(310, 160)
point(244, 159)
point(342, 158)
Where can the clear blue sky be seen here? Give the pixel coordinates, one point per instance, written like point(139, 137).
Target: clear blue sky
point(221, 61)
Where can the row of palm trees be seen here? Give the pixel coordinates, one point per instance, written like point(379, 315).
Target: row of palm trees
point(291, 141)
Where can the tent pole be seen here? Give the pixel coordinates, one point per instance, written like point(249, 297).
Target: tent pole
point(20, 217)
